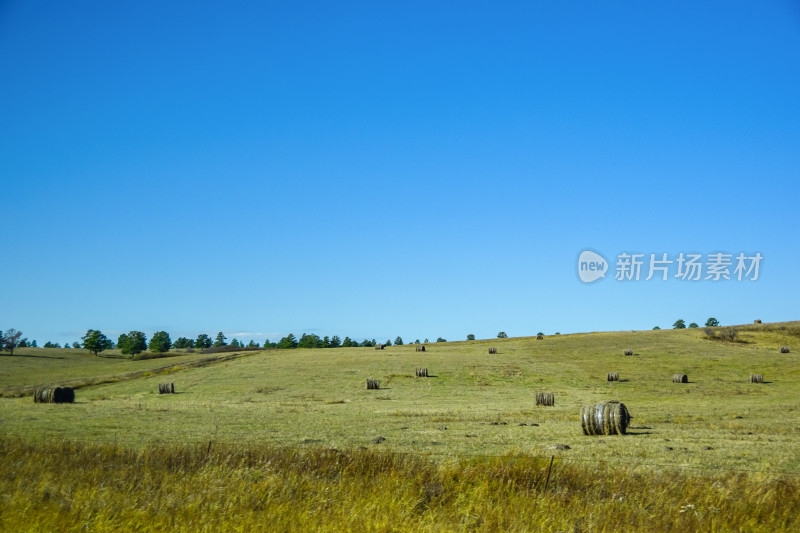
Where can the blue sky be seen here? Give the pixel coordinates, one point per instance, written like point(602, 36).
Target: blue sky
point(378, 170)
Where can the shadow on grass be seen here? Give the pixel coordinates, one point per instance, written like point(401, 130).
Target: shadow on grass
point(39, 356)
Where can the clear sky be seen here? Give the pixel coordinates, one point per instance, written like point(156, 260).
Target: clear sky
point(375, 169)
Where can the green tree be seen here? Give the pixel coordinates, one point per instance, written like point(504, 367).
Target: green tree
point(417, 341)
point(34, 345)
point(95, 341)
point(656, 327)
point(133, 343)
point(502, 335)
point(10, 340)
point(679, 324)
point(289, 341)
point(160, 343)
point(76, 345)
point(471, 337)
point(23, 343)
point(398, 341)
point(335, 341)
point(693, 325)
point(252, 344)
point(425, 341)
point(203, 341)
point(388, 342)
point(712, 322)
point(309, 341)
point(122, 340)
point(235, 343)
point(540, 333)
point(182, 343)
point(441, 340)
point(220, 341)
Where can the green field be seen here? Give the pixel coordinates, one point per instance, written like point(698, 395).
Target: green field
point(474, 407)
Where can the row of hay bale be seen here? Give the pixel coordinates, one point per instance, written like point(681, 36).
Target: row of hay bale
point(782, 349)
point(54, 395)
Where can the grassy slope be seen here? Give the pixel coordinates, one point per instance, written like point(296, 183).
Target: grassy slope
point(318, 398)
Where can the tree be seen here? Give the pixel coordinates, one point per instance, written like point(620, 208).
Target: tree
point(656, 327)
point(34, 345)
point(183, 343)
point(679, 324)
point(220, 341)
point(540, 333)
point(712, 322)
point(133, 343)
point(10, 340)
point(95, 341)
point(398, 341)
point(335, 341)
point(417, 341)
point(23, 343)
point(309, 341)
point(252, 344)
point(471, 337)
point(160, 342)
point(75, 345)
point(235, 343)
point(347, 343)
point(693, 325)
point(203, 341)
point(388, 342)
point(502, 335)
point(441, 340)
point(289, 341)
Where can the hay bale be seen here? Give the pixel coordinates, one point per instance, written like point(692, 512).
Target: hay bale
point(680, 378)
point(606, 418)
point(784, 349)
point(545, 398)
point(539, 337)
point(420, 348)
point(373, 384)
point(628, 352)
point(612, 376)
point(757, 321)
point(166, 388)
point(54, 395)
point(380, 346)
point(421, 372)
point(756, 378)
point(492, 350)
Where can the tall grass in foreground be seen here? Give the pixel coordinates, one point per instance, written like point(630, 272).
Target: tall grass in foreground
point(62, 486)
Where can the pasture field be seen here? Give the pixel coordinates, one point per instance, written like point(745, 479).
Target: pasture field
point(456, 448)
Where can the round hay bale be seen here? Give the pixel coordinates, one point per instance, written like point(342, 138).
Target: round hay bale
point(628, 352)
point(612, 376)
point(492, 350)
point(166, 388)
point(784, 349)
point(756, 378)
point(606, 418)
point(757, 321)
point(539, 337)
point(545, 398)
point(680, 378)
point(421, 372)
point(373, 384)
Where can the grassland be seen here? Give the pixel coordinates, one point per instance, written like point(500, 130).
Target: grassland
point(692, 444)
